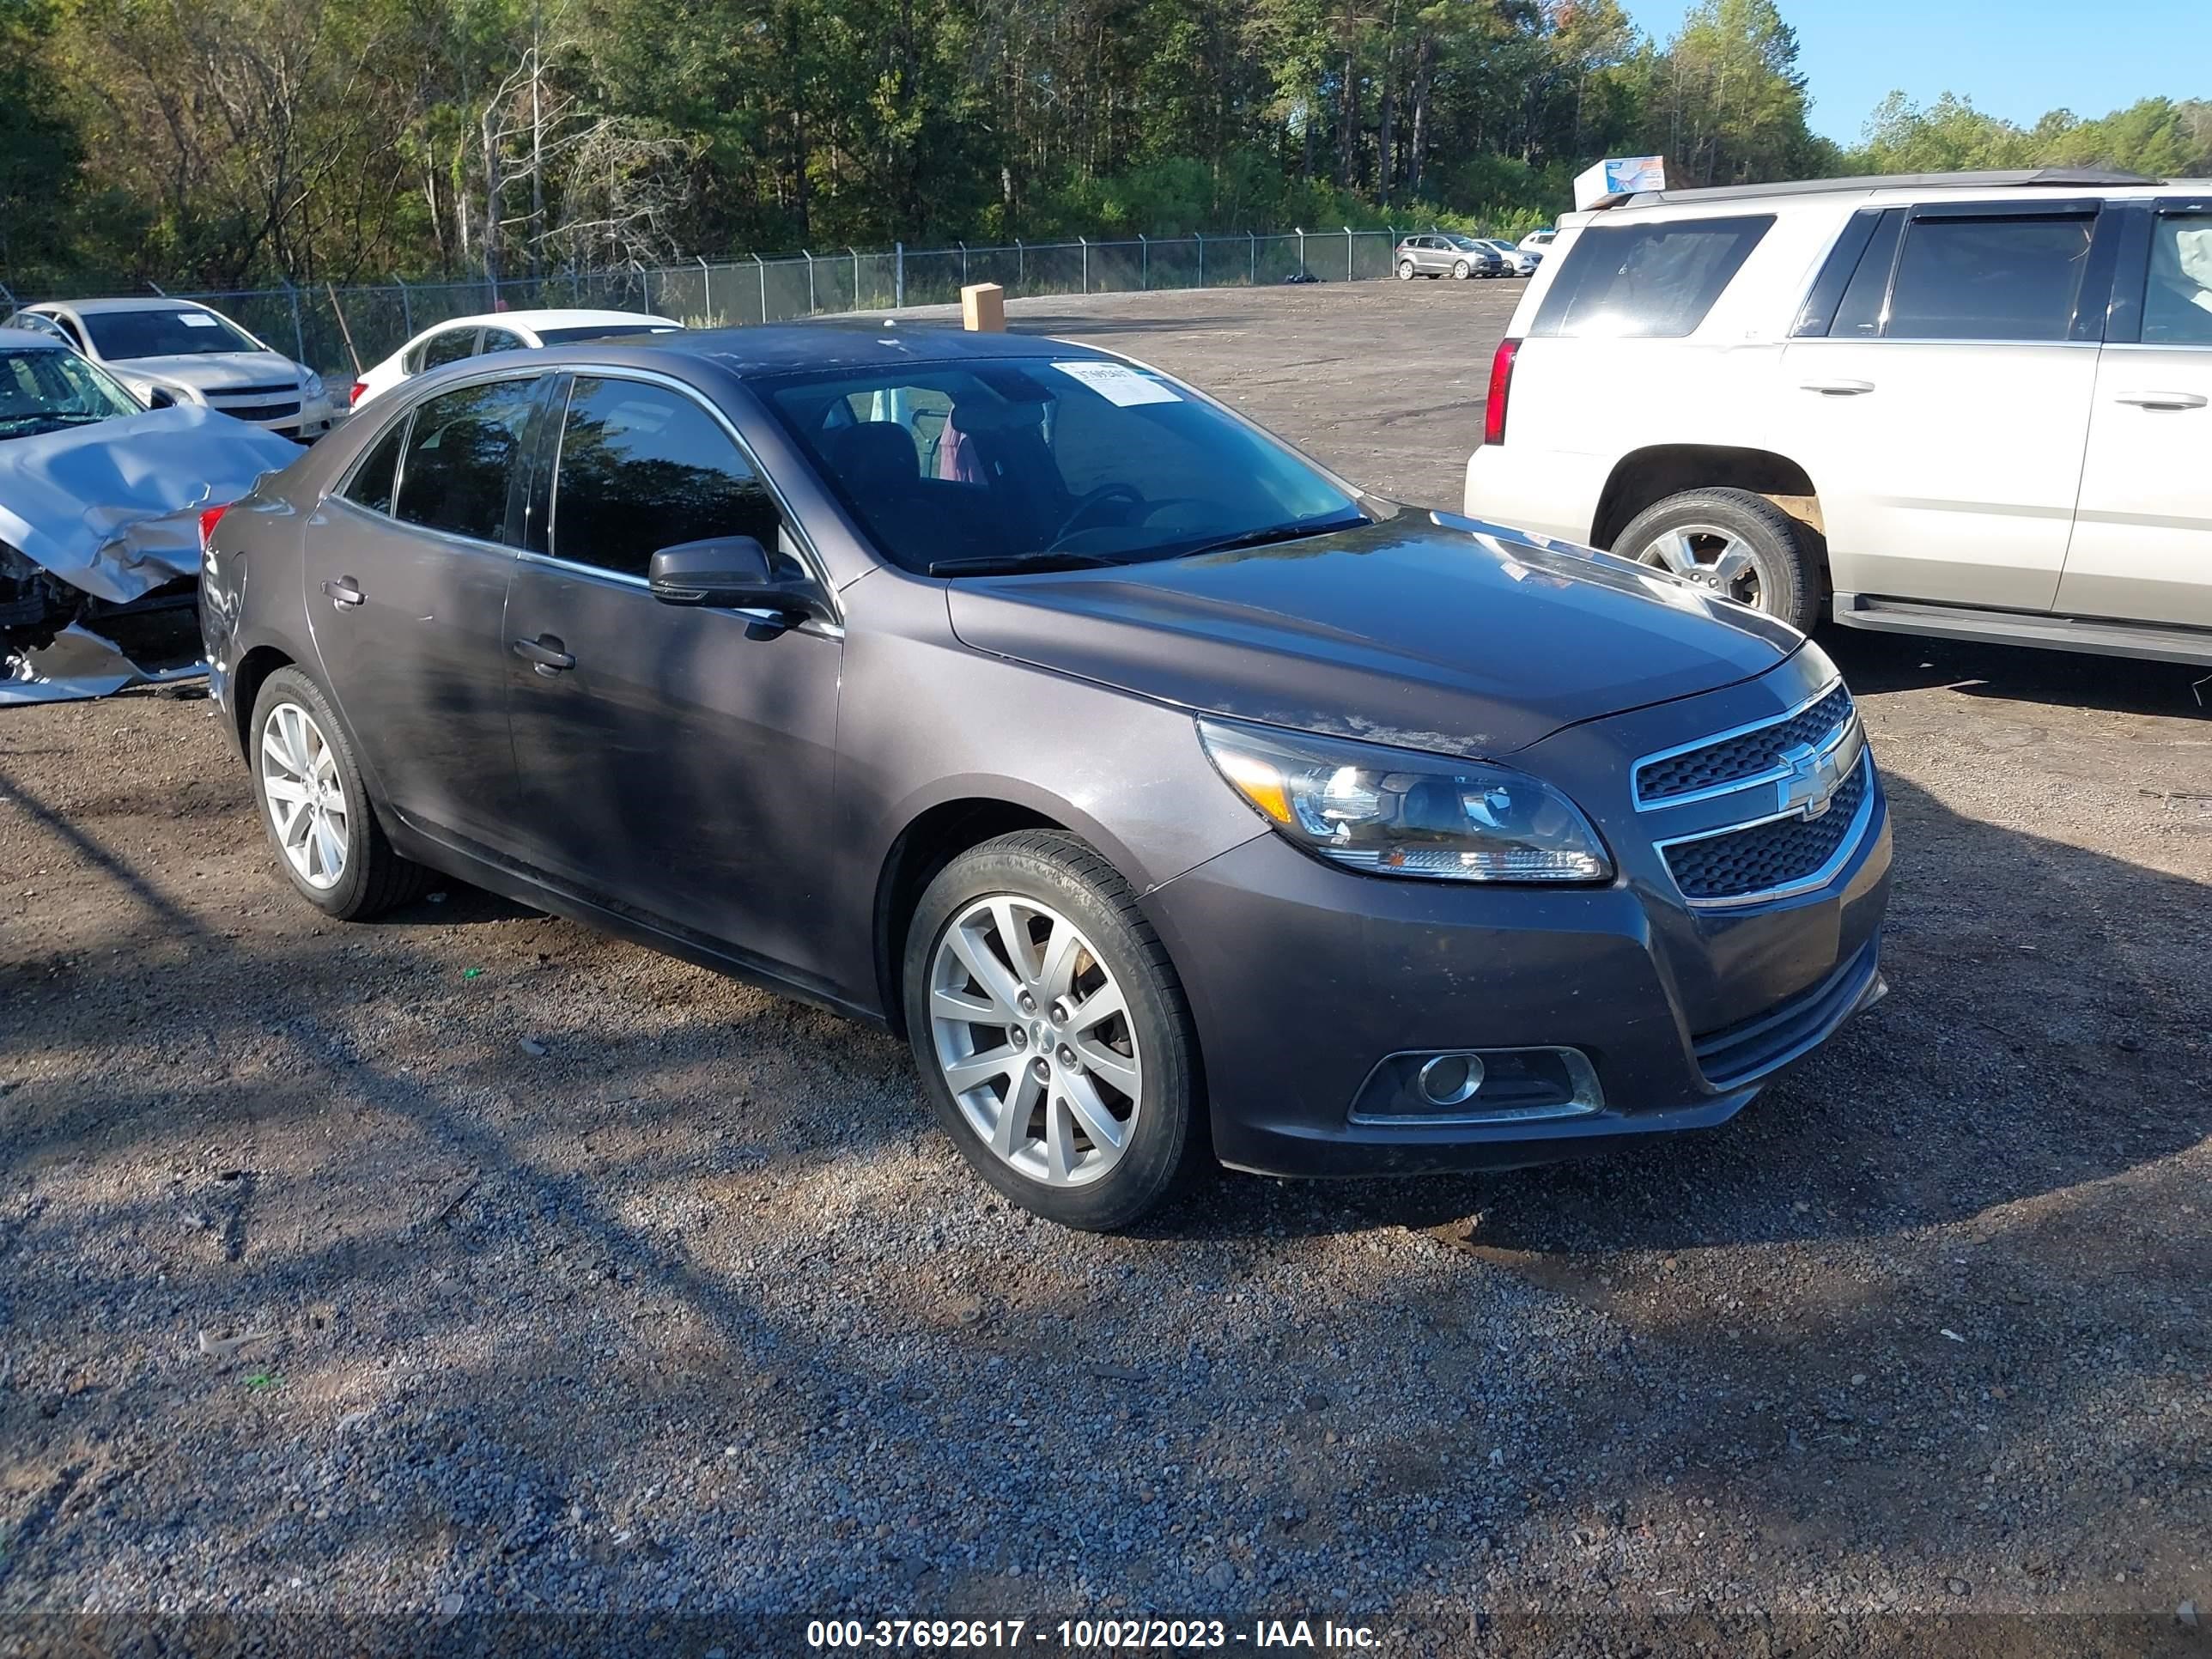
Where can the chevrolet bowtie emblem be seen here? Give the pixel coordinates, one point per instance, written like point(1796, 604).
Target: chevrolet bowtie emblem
point(1813, 779)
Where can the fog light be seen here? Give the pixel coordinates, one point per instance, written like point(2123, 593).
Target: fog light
point(1449, 1079)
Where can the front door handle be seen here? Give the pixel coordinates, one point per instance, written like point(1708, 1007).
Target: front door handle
point(546, 653)
point(1839, 388)
point(2162, 399)
point(344, 592)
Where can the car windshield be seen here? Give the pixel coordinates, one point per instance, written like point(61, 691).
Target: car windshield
point(601, 331)
point(976, 467)
point(46, 389)
point(1464, 241)
point(118, 335)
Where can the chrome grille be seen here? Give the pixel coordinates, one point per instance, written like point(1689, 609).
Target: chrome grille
point(1742, 757)
point(259, 411)
point(283, 388)
point(1761, 857)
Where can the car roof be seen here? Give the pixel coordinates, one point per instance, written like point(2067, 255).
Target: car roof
point(98, 307)
point(2030, 181)
point(555, 317)
point(864, 343)
point(27, 339)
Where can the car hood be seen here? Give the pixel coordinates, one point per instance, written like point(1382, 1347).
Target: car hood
point(213, 371)
point(1424, 631)
point(110, 507)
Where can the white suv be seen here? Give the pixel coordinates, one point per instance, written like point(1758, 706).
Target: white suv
point(1971, 404)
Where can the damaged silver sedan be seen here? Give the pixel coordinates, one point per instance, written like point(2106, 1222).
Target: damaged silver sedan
point(100, 509)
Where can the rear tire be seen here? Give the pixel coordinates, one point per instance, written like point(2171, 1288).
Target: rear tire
point(1405, 271)
point(1085, 1118)
point(315, 807)
point(1734, 545)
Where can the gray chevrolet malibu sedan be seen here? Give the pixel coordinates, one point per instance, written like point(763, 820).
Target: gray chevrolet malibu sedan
point(1160, 786)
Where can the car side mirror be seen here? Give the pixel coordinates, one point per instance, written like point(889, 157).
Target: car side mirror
point(160, 397)
point(731, 573)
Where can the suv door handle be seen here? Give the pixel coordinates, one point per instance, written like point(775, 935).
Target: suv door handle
point(1839, 388)
point(2162, 399)
point(344, 592)
point(546, 651)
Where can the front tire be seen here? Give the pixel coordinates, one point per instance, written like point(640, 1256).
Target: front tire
point(1051, 1030)
point(1459, 272)
point(316, 808)
point(1736, 545)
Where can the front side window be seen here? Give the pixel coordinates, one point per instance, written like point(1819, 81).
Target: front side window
point(643, 468)
point(462, 453)
point(2177, 307)
point(1989, 278)
point(120, 335)
point(1655, 280)
point(965, 465)
point(48, 388)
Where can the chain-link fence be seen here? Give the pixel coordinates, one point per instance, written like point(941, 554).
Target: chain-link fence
point(337, 329)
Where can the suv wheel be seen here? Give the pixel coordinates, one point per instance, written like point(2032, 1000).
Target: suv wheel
point(1460, 271)
point(1051, 1029)
point(1740, 546)
point(318, 813)
point(1405, 271)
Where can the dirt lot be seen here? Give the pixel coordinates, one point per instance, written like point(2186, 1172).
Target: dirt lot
point(582, 1281)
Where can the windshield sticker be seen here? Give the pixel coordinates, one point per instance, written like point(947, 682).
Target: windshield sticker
point(195, 320)
point(1117, 383)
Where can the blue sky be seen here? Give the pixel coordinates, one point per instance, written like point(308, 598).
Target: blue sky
point(2016, 59)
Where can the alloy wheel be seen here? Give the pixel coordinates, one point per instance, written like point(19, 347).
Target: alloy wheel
point(307, 796)
point(1405, 271)
point(1035, 1039)
point(1710, 556)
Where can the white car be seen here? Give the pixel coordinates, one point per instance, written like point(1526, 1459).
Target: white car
point(1538, 242)
point(175, 351)
point(502, 331)
point(1976, 406)
point(1519, 261)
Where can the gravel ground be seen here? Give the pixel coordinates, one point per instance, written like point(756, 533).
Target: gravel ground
point(470, 1266)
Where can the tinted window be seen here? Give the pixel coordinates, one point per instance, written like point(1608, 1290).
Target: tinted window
point(1989, 279)
point(602, 331)
point(461, 454)
point(372, 484)
point(2177, 308)
point(1859, 316)
point(643, 468)
point(165, 333)
point(449, 348)
point(1003, 460)
point(498, 339)
point(1653, 281)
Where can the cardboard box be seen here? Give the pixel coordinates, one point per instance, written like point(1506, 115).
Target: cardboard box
point(983, 308)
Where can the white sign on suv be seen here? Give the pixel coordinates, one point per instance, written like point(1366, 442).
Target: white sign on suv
point(1968, 404)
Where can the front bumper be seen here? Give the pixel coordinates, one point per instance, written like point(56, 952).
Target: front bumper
point(1303, 977)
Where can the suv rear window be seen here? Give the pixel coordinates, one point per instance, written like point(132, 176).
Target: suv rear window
point(1652, 281)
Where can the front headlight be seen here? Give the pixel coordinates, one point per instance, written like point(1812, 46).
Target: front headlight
point(311, 388)
point(1392, 812)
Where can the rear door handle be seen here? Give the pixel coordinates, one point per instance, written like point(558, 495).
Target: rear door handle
point(546, 651)
point(1839, 388)
point(344, 592)
point(2162, 399)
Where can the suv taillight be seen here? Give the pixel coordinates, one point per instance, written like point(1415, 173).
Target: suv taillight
point(1501, 382)
point(358, 387)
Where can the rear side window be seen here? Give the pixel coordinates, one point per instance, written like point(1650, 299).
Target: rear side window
point(448, 348)
point(643, 468)
point(462, 452)
point(1980, 277)
point(1652, 281)
point(373, 480)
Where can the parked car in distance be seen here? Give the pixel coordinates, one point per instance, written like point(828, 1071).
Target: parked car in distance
point(178, 352)
point(1975, 406)
point(1519, 262)
point(99, 503)
point(1447, 255)
point(1538, 242)
point(500, 331)
point(1162, 787)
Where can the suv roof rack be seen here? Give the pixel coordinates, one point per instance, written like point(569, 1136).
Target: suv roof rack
point(2094, 178)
